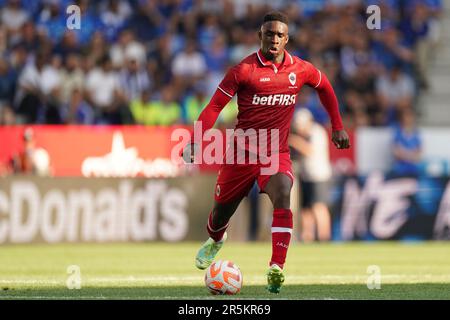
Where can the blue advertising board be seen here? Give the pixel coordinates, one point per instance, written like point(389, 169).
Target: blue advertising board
point(384, 207)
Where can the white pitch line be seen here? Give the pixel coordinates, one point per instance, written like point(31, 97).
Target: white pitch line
point(29, 281)
point(34, 297)
point(305, 279)
point(60, 297)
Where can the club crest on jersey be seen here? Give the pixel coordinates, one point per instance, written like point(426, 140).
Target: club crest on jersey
point(218, 190)
point(292, 78)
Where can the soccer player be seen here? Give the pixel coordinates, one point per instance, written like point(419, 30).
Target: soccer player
point(266, 83)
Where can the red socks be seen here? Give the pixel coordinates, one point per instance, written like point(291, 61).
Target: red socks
point(281, 235)
point(215, 232)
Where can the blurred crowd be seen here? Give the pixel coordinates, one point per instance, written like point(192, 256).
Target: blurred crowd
point(157, 62)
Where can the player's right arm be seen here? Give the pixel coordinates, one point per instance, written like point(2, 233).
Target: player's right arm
point(212, 110)
point(207, 118)
point(206, 121)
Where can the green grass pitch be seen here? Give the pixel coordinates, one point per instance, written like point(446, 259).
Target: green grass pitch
point(167, 271)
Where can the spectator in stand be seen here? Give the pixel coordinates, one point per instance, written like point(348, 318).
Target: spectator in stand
point(216, 55)
point(395, 93)
point(167, 109)
point(77, 110)
point(18, 60)
point(127, 44)
point(114, 15)
point(355, 54)
point(209, 31)
point(391, 51)
point(216, 58)
point(134, 78)
point(141, 109)
point(160, 58)
point(96, 49)
point(188, 67)
point(164, 110)
point(311, 7)
point(68, 45)
point(4, 45)
point(51, 20)
point(7, 116)
point(147, 22)
point(407, 146)
point(194, 103)
point(38, 81)
point(104, 94)
point(90, 20)
point(32, 159)
point(7, 83)
point(416, 29)
point(359, 76)
point(72, 77)
point(244, 47)
point(28, 37)
point(13, 16)
point(51, 112)
point(310, 141)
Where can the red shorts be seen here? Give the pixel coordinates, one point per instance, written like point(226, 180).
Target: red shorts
point(236, 180)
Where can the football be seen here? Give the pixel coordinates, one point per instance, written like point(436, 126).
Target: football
point(223, 277)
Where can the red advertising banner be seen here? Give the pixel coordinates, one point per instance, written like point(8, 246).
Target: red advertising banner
point(109, 151)
point(97, 150)
point(344, 160)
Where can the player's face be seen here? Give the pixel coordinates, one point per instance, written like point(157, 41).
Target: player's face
point(273, 36)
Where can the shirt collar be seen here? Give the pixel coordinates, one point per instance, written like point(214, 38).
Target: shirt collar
point(287, 58)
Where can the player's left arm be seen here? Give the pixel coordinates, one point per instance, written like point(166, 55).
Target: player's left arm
point(319, 81)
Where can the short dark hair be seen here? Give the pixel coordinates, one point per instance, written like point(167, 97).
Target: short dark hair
point(105, 58)
point(276, 16)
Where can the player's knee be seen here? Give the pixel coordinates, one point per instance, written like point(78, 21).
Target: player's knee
point(282, 198)
point(279, 190)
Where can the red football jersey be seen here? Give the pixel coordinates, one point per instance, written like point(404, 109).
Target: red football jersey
point(266, 94)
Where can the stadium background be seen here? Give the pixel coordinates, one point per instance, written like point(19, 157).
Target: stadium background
point(100, 103)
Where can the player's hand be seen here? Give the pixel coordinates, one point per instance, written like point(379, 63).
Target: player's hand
point(189, 152)
point(340, 139)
